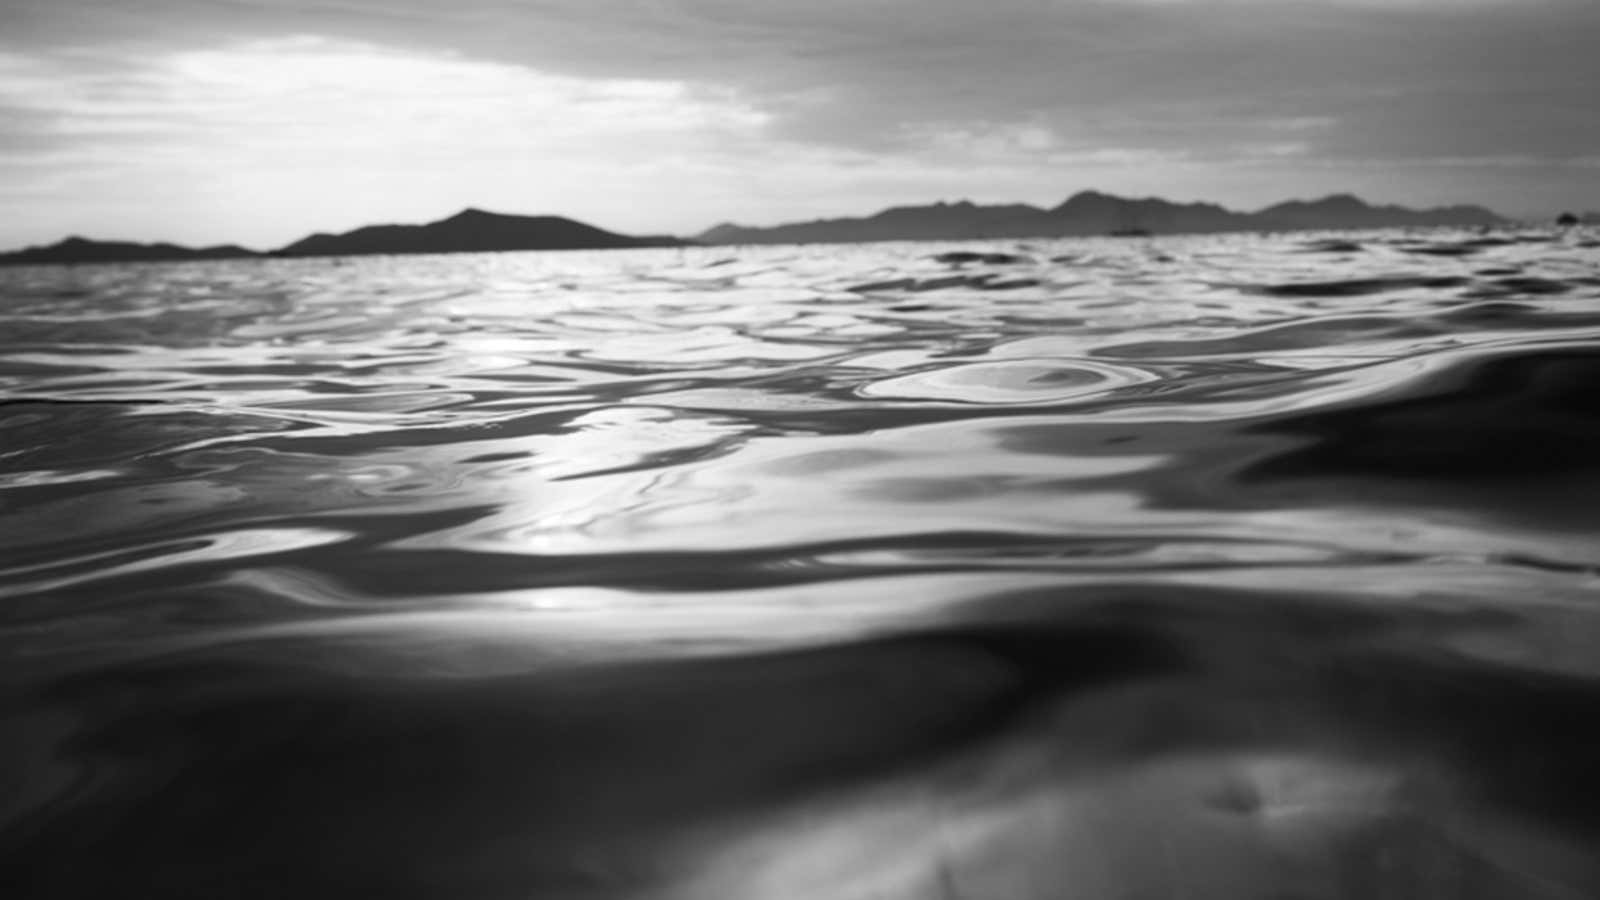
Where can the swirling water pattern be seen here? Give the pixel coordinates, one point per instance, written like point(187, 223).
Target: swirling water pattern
point(1222, 567)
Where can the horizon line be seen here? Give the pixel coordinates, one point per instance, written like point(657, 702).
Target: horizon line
point(827, 218)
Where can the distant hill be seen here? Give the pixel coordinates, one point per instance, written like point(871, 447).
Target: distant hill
point(941, 221)
point(1349, 211)
point(82, 250)
point(1095, 213)
point(1091, 212)
point(471, 231)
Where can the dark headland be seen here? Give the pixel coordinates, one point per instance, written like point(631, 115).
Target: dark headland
point(77, 249)
point(1083, 214)
point(469, 231)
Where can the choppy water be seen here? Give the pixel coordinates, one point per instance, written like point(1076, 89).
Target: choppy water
point(1228, 567)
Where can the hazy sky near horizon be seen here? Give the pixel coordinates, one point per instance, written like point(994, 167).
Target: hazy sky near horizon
point(256, 121)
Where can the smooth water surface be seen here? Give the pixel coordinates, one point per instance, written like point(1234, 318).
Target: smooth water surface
point(1226, 567)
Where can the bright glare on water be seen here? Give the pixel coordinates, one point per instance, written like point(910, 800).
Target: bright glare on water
point(1205, 568)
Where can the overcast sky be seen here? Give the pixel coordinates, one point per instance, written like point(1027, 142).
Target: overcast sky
point(255, 121)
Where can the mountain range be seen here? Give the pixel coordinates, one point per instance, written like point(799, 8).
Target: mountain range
point(1084, 213)
point(1094, 213)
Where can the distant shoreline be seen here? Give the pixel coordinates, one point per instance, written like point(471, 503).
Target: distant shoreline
point(1085, 214)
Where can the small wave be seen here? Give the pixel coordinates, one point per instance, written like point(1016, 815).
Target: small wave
point(1012, 381)
point(1356, 287)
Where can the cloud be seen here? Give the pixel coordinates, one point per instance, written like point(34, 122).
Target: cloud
point(873, 74)
point(746, 101)
point(852, 72)
point(268, 125)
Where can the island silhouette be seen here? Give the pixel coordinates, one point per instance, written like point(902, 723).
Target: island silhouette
point(1083, 214)
point(472, 231)
point(468, 231)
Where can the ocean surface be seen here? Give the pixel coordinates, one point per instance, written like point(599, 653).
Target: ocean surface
point(1213, 568)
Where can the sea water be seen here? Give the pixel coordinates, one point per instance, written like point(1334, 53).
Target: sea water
point(1216, 567)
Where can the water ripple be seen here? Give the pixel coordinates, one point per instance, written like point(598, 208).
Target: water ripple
point(723, 572)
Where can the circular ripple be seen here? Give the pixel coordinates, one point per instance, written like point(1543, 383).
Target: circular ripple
point(1011, 381)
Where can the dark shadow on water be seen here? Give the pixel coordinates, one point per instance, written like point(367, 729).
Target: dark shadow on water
point(210, 776)
point(1526, 416)
point(1328, 736)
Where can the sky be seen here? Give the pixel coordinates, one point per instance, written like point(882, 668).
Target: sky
point(259, 121)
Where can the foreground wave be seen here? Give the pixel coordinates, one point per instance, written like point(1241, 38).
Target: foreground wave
point(1241, 566)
